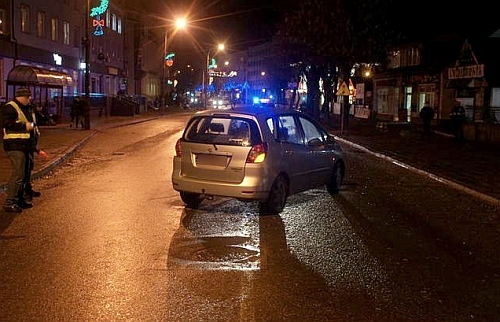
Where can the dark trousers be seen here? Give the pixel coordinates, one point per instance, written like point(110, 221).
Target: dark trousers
point(27, 187)
point(427, 128)
point(77, 119)
point(15, 189)
point(459, 130)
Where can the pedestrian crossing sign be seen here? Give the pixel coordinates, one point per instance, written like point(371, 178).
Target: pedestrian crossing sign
point(343, 90)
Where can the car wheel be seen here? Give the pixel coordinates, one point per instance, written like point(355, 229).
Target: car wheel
point(192, 200)
point(335, 183)
point(277, 198)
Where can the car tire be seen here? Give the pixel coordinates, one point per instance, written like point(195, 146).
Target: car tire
point(333, 187)
point(277, 198)
point(192, 200)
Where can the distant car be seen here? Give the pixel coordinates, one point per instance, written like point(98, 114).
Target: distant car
point(264, 102)
point(220, 103)
point(255, 154)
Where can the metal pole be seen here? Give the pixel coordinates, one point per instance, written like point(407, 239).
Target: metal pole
point(163, 99)
point(203, 86)
point(207, 74)
point(87, 67)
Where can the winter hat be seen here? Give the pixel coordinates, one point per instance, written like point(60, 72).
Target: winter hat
point(23, 91)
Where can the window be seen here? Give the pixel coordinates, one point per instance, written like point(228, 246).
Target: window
point(2, 21)
point(228, 131)
point(66, 35)
point(426, 95)
point(411, 57)
point(113, 21)
point(119, 25)
point(76, 36)
point(288, 130)
point(40, 24)
point(495, 97)
point(25, 18)
point(310, 130)
point(394, 59)
point(53, 29)
point(405, 57)
point(383, 100)
point(108, 19)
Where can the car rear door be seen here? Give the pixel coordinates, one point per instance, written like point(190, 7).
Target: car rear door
point(294, 153)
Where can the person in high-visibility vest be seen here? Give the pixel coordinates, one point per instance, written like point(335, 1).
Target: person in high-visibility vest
point(29, 192)
point(17, 144)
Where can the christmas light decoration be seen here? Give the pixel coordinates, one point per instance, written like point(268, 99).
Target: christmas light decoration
point(96, 13)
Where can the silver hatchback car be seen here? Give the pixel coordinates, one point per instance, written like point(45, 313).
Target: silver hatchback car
point(255, 154)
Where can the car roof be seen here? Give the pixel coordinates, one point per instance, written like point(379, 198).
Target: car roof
point(256, 111)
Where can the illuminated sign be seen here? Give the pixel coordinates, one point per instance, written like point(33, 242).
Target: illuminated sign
point(96, 13)
point(57, 59)
point(472, 71)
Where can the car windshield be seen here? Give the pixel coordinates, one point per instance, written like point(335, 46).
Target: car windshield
point(222, 130)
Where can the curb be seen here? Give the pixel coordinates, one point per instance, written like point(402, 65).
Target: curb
point(54, 163)
point(49, 167)
point(457, 186)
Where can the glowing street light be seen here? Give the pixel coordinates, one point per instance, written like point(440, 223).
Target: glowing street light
point(206, 74)
point(180, 23)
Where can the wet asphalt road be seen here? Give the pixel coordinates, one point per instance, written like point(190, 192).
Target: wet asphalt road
point(111, 241)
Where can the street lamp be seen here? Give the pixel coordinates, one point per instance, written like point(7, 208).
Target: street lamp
point(206, 75)
point(179, 24)
point(87, 68)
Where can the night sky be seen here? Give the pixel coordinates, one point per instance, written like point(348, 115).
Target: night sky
point(243, 23)
point(237, 23)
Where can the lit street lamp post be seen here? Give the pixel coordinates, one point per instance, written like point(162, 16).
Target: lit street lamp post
point(87, 68)
point(206, 76)
point(179, 24)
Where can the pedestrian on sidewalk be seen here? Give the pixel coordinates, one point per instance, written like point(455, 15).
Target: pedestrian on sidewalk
point(17, 144)
point(457, 118)
point(76, 113)
point(426, 114)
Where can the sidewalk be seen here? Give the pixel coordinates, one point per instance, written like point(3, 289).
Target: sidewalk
point(469, 166)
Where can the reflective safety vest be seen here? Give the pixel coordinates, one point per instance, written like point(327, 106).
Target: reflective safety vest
point(20, 118)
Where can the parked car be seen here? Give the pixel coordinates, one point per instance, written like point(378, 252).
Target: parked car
point(255, 154)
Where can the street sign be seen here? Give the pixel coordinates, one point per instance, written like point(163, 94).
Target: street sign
point(343, 90)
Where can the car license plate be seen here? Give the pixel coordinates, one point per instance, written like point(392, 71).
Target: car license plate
point(211, 160)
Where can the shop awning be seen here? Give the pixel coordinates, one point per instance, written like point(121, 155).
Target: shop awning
point(35, 75)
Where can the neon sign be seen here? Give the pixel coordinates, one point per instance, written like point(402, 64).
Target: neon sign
point(96, 13)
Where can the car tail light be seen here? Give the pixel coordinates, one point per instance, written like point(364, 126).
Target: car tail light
point(258, 153)
point(178, 150)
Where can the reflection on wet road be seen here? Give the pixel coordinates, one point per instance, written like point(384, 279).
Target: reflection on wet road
point(231, 262)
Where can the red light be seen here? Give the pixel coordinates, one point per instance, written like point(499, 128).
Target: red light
point(258, 153)
point(178, 149)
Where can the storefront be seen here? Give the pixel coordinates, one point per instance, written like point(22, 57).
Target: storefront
point(46, 87)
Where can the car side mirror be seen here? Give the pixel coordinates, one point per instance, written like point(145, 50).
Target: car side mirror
point(315, 143)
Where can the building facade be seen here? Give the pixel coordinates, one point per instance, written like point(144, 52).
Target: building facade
point(43, 45)
point(440, 72)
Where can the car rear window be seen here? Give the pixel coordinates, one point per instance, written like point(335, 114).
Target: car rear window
point(222, 130)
